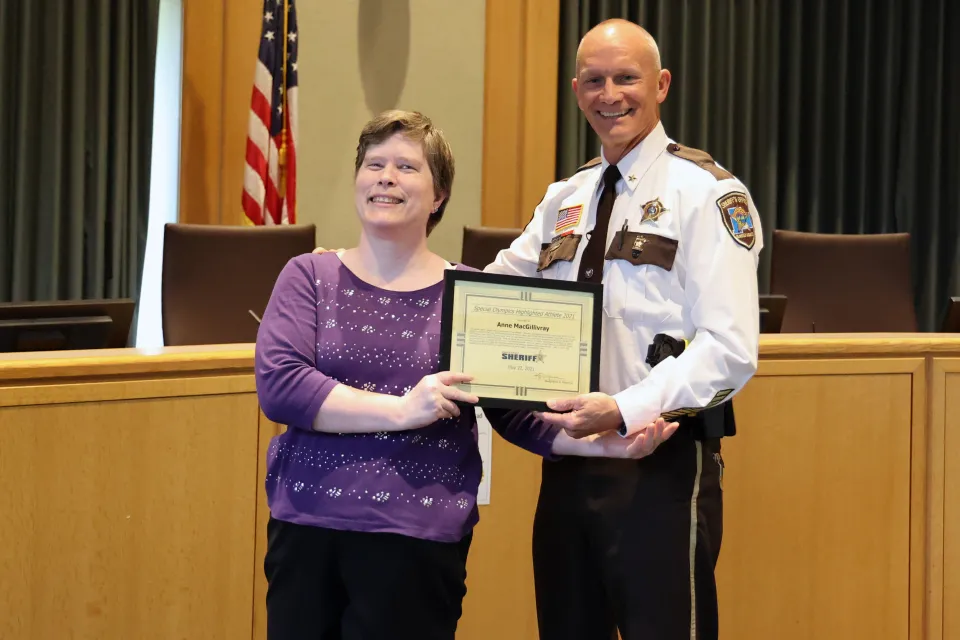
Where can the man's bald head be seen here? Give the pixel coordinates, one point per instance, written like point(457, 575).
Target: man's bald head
point(619, 84)
point(623, 33)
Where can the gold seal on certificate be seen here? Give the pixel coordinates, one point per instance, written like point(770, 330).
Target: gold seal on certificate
point(524, 340)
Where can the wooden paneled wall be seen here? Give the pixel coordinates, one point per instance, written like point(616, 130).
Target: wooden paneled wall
point(219, 55)
point(520, 108)
point(136, 507)
point(130, 494)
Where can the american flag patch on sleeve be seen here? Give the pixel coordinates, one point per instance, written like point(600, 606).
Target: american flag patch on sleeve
point(568, 218)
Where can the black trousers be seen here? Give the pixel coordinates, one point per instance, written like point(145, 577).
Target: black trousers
point(630, 544)
point(325, 584)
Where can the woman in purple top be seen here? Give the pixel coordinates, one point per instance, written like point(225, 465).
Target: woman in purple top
point(372, 488)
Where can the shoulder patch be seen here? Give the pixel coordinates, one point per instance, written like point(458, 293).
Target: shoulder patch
point(735, 213)
point(587, 165)
point(700, 158)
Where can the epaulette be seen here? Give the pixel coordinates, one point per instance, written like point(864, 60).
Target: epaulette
point(588, 165)
point(700, 158)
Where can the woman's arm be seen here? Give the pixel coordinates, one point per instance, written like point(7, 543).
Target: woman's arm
point(293, 392)
point(522, 428)
point(526, 430)
point(349, 410)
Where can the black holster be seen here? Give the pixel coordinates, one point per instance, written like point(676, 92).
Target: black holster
point(717, 421)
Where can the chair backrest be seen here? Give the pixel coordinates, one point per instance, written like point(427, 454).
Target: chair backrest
point(482, 244)
point(843, 283)
point(213, 276)
point(772, 308)
point(951, 323)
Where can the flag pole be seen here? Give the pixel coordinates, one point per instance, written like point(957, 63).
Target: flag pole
point(283, 103)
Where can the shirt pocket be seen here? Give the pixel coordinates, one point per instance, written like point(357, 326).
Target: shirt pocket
point(640, 278)
point(557, 255)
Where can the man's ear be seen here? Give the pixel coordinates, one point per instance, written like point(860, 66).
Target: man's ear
point(663, 84)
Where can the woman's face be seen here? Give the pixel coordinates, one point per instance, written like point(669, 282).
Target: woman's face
point(394, 187)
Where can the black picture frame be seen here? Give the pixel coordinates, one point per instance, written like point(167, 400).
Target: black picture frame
point(453, 276)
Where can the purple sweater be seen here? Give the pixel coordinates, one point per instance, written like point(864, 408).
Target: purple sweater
point(324, 326)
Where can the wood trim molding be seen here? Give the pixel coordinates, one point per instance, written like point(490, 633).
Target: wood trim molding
point(58, 367)
point(219, 54)
point(520, 108)
point(803, 345)
point(201, 110)
point(127, 389)
point(934, 483)
point(920, 508)
point(848, 366)
point(942, 558)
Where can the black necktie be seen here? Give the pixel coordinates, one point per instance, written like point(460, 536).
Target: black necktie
point(591, 263)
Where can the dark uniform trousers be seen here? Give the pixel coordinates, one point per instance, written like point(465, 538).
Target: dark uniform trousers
point(630, 544)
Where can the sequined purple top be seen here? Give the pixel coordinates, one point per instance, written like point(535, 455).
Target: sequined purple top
point(323, 326)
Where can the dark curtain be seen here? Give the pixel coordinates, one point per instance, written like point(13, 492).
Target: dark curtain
point(840, 116)
point(75, 133)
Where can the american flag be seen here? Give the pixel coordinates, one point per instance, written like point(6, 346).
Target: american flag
point(568, 218)
point(270, 174)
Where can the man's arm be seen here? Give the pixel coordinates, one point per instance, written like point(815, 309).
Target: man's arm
point(523, 255)
point(720, 243)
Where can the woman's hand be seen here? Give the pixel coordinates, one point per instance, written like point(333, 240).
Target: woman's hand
point(434, 399)
point(611, 444)
point(637, 445)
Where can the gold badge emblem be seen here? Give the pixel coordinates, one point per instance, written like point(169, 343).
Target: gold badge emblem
point(652, 211)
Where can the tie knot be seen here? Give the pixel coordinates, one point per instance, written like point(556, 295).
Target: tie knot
point(611, 176)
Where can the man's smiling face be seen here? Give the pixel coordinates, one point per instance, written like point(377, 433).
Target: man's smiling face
point(619, 86)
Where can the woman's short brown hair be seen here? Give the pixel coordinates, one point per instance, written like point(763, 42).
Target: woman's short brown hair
point(418, 128)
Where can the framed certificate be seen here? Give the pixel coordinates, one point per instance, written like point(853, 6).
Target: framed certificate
point(524, 340)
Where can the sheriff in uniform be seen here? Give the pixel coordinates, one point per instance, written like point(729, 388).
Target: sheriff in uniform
point(675, 239)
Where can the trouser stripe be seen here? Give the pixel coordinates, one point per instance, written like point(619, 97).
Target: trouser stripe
point(693, 542)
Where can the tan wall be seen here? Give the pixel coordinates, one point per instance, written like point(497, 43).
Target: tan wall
point(356, 58)
point(359, 58)
point(484, 70)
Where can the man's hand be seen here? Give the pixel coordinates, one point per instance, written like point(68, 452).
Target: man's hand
point(322, 250)
point(637, 445)
point(588, 414)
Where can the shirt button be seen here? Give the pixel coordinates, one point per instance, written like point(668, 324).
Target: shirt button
point(589, 273)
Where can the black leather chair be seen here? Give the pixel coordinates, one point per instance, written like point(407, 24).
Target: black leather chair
point(214, 276)
point(839, 283)
point(482, 244)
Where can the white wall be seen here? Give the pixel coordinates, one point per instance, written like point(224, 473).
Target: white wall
point(164, 166)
